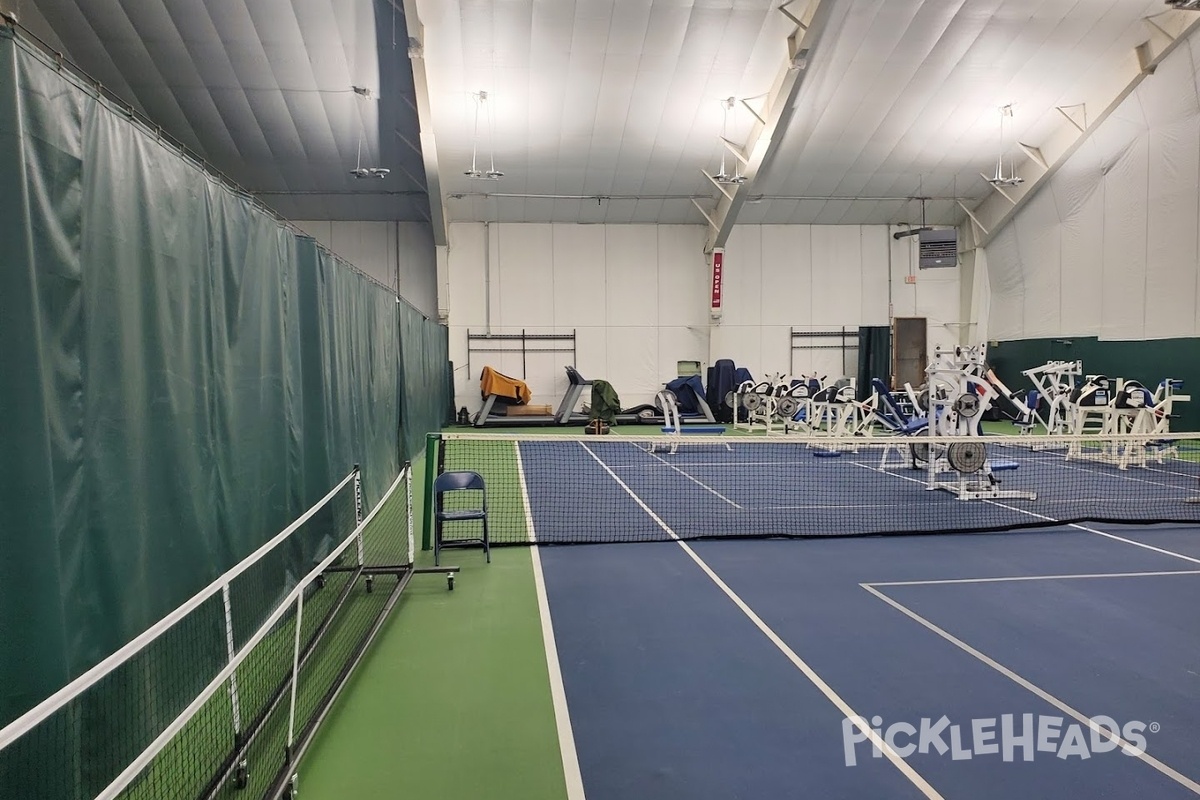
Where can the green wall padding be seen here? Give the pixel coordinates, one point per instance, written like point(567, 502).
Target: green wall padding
point(1146, 361)
point(182, 376)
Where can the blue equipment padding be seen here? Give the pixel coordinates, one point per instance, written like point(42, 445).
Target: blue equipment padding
point(714, 430)
point(827, 453)
point(687, 390)
point(1002, 466)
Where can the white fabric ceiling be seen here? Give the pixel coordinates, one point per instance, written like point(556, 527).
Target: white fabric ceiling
point(609, 99)
point(262, 90)
point(598, 97)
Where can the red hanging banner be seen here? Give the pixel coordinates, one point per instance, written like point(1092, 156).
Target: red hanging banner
point(717, 258)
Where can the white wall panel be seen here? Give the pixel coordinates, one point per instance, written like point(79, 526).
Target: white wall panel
point(1007, 319)
point(1125, 229)
point(743, 344)
point(1125, 212)
point(630, 259)
point(592, 341)
point(525, 275)
point(743, 287)
point(836, 275)
point(1171, 254)
point(633, 367)
point(874, 301)
point(468, 298)
point(1039, 243)
point(580, 297)
point(675, 344)
point(1079, 193)
point(684, 279)
point(638, 297)
point(787, 268)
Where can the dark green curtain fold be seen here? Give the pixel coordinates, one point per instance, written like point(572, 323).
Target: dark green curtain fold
point(874, 356)
point(180, 377)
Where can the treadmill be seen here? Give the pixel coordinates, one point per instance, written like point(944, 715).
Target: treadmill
point(647, 414)
point(565, 415)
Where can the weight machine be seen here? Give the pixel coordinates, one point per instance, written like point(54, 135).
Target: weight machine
point(956, 396)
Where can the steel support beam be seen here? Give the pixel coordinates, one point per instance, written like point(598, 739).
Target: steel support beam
point(1080, 120)
point(772, 120)
point(433, 181)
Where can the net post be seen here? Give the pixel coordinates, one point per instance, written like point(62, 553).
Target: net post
point(408, 495)
point(358, 511)
point(230, 654)
point(433, 458)
point(295, 674)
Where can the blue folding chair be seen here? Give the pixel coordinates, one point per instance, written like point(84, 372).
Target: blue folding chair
point(464, 481)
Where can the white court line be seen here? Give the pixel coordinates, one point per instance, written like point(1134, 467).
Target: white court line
point(828, 505)
point(1127, 747)
point(1080, 466)
point(714, 464)
point(558, 691)
point(1015, 578)
point(524, 493)
point(1075, 525)
point(900, 764)
point(694, 480)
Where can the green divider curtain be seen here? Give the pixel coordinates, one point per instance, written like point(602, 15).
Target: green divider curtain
point(424, 397)
point(180, 377)
point(874, 357)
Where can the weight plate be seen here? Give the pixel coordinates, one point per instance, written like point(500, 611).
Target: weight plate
point(966, 457)
point(920, 451)
point(730, 399)
point(788, 406)
point(752, 401)
point(967, 405)
point(923, 400)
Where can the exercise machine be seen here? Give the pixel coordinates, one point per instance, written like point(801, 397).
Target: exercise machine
point(564, 415)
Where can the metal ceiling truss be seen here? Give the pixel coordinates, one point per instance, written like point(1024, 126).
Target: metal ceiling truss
point(1080, 120)
point(771, 120)
point(433, 181)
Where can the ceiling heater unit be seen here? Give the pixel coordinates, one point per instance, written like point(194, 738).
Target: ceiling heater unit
point(937, 248)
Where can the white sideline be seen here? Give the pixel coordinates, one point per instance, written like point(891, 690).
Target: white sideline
point(900, 764)
point(558, 691)
point(1079, 716)
point(36, 715)
point(1018, 578)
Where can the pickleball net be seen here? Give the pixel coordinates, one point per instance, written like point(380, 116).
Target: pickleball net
point(221, 697)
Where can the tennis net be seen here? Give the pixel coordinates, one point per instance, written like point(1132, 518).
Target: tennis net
point(623, 488)
point(221, 697)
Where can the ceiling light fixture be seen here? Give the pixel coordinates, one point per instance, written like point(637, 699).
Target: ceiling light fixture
point(737, 178)
point(359, 171)
point(1000, 178)
point(474, 172)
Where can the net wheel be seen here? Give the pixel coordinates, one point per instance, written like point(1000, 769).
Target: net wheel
point(450, 581)
point(241, 776)
point(370, 583)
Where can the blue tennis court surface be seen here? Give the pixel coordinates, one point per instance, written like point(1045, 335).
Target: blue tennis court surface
point(726, 668)
point(760, 488)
